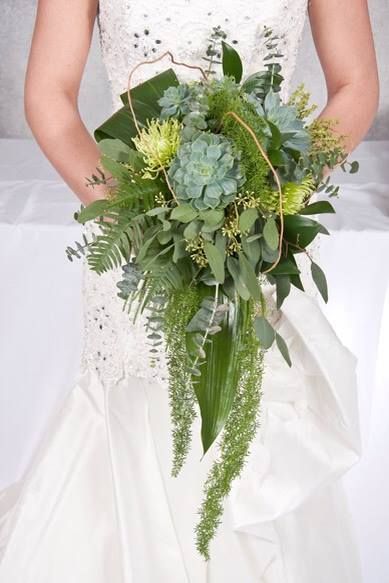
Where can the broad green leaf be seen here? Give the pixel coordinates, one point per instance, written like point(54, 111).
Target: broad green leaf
point(183, 213)
point(282, 288)
point(270, 233)
point(296, 281)
point(300, 230)
point(316, 208)
point(232, 64)
point(247, 219)
point(285, 267)
point(283, 348)
point(249, 277)
point(216, 261)
point(320, 280)
point(145, 101)
point(264, 331)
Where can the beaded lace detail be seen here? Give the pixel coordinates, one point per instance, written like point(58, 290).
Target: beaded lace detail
point(114, 346)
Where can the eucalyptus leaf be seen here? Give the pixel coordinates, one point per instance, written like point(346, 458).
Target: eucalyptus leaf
point(183, 213)
point(159, 210)
point(233, 268)
point(264, 331)
point(247, 219)
point(164, 237)
point(320, 280)
point(270, 233)
point(249, 277)
point(216, 261)
point(212, 217)
point(192, 230)
point(283, 348)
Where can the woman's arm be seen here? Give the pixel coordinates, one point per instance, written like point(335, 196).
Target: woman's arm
point(59, 50)
point(344, 43)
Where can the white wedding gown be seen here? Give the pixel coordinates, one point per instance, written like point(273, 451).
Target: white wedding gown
point(98, 504)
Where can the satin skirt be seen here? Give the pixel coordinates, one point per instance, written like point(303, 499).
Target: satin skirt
point(98, 504)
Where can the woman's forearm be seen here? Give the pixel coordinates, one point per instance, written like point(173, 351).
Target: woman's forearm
point(353, 108)
point(344, 43)
point(64, 139)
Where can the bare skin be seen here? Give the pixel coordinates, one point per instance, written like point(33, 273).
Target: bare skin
point(59, 51)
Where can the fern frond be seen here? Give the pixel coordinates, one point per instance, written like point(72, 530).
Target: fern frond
point(111, 247)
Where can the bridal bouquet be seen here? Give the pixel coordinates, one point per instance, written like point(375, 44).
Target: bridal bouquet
point(210, 184)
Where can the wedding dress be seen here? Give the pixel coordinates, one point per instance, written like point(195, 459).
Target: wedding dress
point(98, 504)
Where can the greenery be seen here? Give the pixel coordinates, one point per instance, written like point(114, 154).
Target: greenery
point(210, 185)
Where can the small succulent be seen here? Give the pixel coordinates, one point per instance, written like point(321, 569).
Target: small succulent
point(293, 133)
point(180, 100)
point(158, 143)
point(207, 172)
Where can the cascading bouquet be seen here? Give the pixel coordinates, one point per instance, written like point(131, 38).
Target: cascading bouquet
point(210, 184)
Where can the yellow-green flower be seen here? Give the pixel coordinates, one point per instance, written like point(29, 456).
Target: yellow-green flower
point(158, 143)
point(294, 197)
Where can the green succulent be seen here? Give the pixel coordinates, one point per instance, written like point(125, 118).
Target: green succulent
point(293, 133)
point(207, 172)
point(181, 100)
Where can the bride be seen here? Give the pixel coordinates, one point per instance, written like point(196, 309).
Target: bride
point(98, 504)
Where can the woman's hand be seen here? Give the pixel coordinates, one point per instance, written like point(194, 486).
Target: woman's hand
point(344, 43)
point(59, 51)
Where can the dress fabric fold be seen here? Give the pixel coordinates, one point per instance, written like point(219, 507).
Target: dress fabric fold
point(99, 504)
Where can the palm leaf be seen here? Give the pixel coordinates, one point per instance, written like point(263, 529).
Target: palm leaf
point(144, 98)
point(217, 385)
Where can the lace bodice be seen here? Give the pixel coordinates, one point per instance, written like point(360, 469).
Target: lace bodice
point(131, 32)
